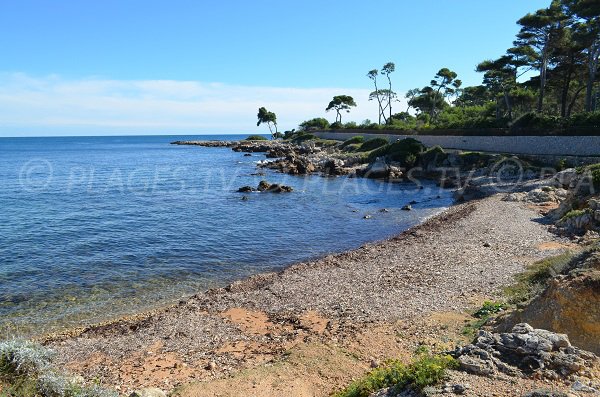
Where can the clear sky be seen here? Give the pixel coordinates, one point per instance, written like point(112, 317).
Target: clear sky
point(181, 66)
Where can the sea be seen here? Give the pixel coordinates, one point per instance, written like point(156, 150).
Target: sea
point(93, 228)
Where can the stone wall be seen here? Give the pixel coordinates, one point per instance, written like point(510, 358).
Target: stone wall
point(532, 145)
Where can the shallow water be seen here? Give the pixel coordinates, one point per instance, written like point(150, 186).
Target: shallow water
point(94, 227)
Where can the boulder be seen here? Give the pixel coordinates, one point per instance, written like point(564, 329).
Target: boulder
point(524, 351)
point(148, 392)
point(265, 186)
point(565, 178)
point(245, 189)
point(377, 169)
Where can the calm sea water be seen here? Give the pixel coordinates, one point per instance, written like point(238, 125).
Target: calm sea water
point(94, 227)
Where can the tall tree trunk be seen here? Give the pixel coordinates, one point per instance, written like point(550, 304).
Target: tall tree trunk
point(564, 98)
point(378, 99)
point(573, 100)
point(390, 96)
point(594, 53)
point(543, 71)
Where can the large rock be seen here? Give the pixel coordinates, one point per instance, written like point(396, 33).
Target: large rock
point(565, 178)
point(377, 169)
point(523, 352)
point(570, 304)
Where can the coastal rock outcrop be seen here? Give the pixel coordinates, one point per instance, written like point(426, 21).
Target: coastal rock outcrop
point(570, 304)
point(266, 187)
point(524, 351)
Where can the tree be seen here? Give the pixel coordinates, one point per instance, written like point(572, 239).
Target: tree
point(372, 74)
point(540, 31)
point(268, 118)
point(410, 94)
point(587, 32)
point(339, 103)
point(386, 70)
point(445, 84)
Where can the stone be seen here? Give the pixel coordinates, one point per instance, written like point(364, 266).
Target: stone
point(367, 217)
point(377, 169)
point(407, 207)
point(459, 389)
point(148, 392)
point(579, 386)
point(211, 366)
point(566, 177)
point(245, 189)
point(523, 352)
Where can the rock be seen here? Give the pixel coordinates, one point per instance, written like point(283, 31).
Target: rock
point(523, 351)
point(487, 245)
point(459, 389)
point(407, 208)
point(374, 363)
point(148, 392)
point(566, 177)
point(211, 366)
point(384, 210)
point(545, 393)
point(579, 386)
point(265, 186)
point(367, 217)
point(377, 169)
point(245, 198)
point(245, 189)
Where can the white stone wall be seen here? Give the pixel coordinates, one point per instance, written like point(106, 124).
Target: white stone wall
point(534, 145)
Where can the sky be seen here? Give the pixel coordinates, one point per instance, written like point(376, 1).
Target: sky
point(125, 67)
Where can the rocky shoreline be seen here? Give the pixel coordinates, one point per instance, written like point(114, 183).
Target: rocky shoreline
point(313, 327)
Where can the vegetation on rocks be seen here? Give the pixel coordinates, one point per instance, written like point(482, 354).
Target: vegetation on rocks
point(256, 138)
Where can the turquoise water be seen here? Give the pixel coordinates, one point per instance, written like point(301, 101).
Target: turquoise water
point(94, 227)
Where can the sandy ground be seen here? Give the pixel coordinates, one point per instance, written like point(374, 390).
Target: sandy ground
point(309, 330)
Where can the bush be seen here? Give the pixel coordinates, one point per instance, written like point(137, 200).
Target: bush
point(318, 123)
point(354, 139)
point(434, 155)
point(302, 137)
point(26, 370)
point(404, 151)
point(336, 126)
point(374, 143)
point(256, 138)
point(427, 370)
point(535, 278)
point(537, 122)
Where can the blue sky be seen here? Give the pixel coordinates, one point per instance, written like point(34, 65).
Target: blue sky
point(179, 66)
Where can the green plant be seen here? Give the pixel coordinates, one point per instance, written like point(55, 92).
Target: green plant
point(318, 123)
point(575, 214)
point(489, 308)
point(372, 144)
point(256, 138)
point(425, 371)
point(358, 139)
point(26, 370)
point(534, 279)
point(404, 151)
point(561, 164)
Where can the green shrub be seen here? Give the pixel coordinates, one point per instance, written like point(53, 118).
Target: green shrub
point(318, 123)
point(538, 122)
point(354, 140)
point(596, 178)
point(489, 308)
point(372, 144)
point(427, 370)
point(535, 278)
point(256, 138)
point(434, 155)
point(404, 151)
point(26, 370)
point(302, 137)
